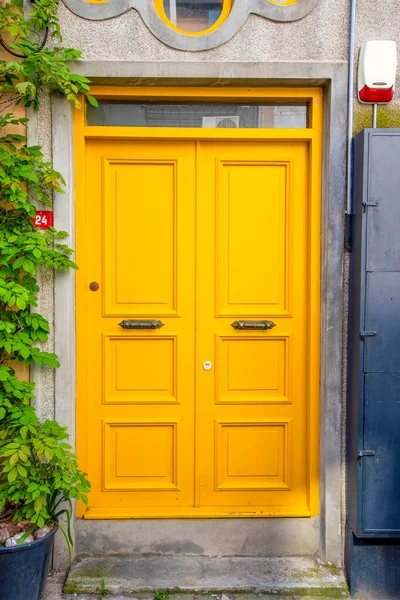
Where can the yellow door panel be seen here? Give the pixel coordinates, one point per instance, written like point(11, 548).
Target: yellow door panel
point(196, 418)
point(252, 212)
point(126, 445)
point(140, 208)
point(143, 384)
point(252, 457)
point(251, 369)
point(252, 263)
point(136, 386)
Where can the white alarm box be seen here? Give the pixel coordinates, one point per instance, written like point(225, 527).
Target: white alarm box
point(377, 72)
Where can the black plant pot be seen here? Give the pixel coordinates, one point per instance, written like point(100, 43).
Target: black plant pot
point(24, 569)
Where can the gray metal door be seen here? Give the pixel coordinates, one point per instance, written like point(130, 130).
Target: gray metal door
point(374, 341)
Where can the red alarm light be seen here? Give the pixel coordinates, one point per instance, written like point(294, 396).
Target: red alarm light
point(375, 95)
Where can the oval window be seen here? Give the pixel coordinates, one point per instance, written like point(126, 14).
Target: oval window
point(197, 16)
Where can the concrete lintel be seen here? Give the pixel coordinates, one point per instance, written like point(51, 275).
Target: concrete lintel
point(215, 73)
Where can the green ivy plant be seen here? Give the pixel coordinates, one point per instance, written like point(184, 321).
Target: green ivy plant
point(39, 475)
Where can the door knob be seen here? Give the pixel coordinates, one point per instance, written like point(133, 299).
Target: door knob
point(94, 286)
point(207, 365)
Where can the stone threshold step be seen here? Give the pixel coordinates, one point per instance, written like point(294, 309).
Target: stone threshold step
point(286, 576)
point(179, 597)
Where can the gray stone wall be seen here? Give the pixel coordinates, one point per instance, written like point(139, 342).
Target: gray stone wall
point(322, 35)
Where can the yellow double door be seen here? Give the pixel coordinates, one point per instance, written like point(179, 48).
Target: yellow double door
point(192, 320)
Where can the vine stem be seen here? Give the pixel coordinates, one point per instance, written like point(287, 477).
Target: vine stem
point(35, 462)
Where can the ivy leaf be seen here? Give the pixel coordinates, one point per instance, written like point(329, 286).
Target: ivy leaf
point(13, 458)
point(42, 335)
point(12, 475)
point(92, 100)
point(22, 471)
point(4, 373)
point(22, 456)
point(24, 352)
point(27, 266)
point(48, 453)
point(25, 87)
point(38, 504)
point(40, 522)
point(20, 303)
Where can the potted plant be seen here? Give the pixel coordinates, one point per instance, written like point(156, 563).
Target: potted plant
point(39, 475)
point(38, 478)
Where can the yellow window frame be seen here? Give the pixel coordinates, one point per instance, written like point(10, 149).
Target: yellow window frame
point(226, 9)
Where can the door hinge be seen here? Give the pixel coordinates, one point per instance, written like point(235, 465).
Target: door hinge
point(364, 334)
point(363, 453)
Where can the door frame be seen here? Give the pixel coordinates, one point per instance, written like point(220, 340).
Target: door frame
point(313, 137)
point(331, 77)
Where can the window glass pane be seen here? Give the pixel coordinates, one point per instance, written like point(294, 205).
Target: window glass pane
point(188, 114)
point(197, 15)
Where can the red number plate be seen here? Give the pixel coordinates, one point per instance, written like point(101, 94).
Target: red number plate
point(44, 219)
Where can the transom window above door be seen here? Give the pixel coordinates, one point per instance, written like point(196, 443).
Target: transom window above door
point(205, 115)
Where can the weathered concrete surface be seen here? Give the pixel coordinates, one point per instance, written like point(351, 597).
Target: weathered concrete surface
point(209, 537)
point(239, 13)
point(64, 297)
point(39, 134)
point(287, 576)
point(58, 595)
point(55, 585)
point(322, 35)
point(220, 74)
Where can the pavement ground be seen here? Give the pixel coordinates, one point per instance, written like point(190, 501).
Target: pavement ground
point(56, 581)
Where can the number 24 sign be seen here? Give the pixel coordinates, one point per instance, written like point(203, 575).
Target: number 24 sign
point(44, 219)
